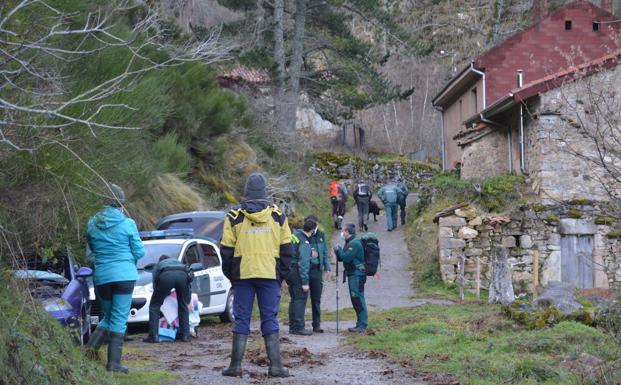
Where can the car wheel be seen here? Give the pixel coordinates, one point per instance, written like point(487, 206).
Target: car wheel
point(228, 316)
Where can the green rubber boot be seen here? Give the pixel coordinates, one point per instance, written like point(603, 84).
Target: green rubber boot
point(115, 352)
point(99, 337)
point(272, 345)
point(239, 346)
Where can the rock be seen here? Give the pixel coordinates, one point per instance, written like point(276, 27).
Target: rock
point(526, 242)
point(467, 233)
point(451, 221)
point(466, 212)
point(561, 295)
point(477, 221)
point(452, 243)
point(446, 232)
point(501, 287)
point(473, 252)
point(508, 241)
point(586, 366)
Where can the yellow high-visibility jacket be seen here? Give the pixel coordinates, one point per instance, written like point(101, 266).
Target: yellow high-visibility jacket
point(256, 242)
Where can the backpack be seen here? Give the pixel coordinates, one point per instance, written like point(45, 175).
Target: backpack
point(391, 194)
point(334, 189)
point(370, 244)
point(363, 189)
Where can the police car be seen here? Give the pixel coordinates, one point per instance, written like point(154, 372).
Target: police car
point(201, 255)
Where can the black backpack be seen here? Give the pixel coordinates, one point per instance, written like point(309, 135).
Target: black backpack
point(370, 244)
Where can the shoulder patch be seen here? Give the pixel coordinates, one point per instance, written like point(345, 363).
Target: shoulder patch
point(278, 216)
point(235, 216)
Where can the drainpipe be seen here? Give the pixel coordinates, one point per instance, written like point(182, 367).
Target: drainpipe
point(442, 140)
point(476, 71)
point(520, 84)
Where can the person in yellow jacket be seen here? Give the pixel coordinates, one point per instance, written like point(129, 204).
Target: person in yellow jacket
point(256, 256)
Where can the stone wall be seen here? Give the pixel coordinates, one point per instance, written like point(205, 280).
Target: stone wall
point(534, 229)
point(486, 157)
point(375, 171)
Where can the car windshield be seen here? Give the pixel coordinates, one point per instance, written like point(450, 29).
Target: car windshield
point(153, 251)
point(202, 226)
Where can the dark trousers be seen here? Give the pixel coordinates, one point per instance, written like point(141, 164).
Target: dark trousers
point(356, 293)
point(335, 205)
point(297, 306)
point(116, 301)
point(363, 211)
point(316, 287)
point(167, 281)
point(402, 207)
point(267, 292)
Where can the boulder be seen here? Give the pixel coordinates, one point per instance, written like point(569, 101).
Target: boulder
point(560, 295)
point(477, 221)
point(451, 221)
point(467, 233)
point(526, 242)
point(466, 212)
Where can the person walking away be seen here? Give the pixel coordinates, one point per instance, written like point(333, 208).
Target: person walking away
point(256, 257)
point(352, 256)
point(319, 270)
point(170, 274)
point(403, 196)
point(115, 247)
point(298, 279)
point(334, 197)
point(389, 195)
point(343, 195)
point(362, 196)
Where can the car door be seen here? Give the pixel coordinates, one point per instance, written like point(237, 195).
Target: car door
point(200, 285)
point(219, 283)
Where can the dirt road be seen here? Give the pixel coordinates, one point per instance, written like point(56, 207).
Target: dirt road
point(319, 359)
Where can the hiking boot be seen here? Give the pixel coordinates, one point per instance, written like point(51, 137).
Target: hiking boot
point(272, 345)
point(115, 352)
point(357, 329)
point(301, 332)
point(151, 339)
point(239, 346)
point(317, 329)
point(99, 337)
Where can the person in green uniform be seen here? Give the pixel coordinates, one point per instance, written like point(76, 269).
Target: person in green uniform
point(319, 268)
point(298, 279)
point(170, 274)
point(352, 256)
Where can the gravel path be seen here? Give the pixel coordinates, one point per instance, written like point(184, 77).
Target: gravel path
point(318, 359)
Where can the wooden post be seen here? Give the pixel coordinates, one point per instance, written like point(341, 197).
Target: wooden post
point(535, 273)
point(478, 279)
point(462, 271)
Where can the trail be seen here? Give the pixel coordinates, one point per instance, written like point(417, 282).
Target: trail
point(325, 358)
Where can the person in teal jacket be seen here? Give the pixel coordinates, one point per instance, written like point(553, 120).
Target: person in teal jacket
point(352, 256)
point(299, 276)
point(319, 267)
point(115, 247)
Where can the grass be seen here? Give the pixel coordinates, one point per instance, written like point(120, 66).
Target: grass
point(480, 346)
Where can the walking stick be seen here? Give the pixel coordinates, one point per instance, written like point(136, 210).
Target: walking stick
point(337, 296)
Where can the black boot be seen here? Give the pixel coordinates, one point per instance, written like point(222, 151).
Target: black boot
point(99, 337)
point(115, 351)
point(239, 346)
point(151, 339)
point(272, 345)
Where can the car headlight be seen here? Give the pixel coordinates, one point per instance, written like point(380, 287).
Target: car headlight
point(57, 304)
point(143, 291)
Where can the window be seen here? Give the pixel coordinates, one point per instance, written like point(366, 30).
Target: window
point(191, 255)
point(475, 100)
point(595, 26)
point(567, 25)
point(210, 258)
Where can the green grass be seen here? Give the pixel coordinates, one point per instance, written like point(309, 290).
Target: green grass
point(480, 346)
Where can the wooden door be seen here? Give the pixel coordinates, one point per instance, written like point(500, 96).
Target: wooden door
point(577, 260)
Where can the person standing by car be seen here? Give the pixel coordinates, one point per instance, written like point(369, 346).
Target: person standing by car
point(256, 257)
point(362, 196)
point(352, 256)
point(319, 268)
point(170, 274)
point(298, 278)
point(115, 247)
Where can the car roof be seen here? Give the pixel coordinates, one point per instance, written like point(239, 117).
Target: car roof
point(192, 214)
point(177, 241)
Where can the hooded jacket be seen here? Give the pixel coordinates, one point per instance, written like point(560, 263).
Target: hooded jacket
point(115, 246)
point(256, 242)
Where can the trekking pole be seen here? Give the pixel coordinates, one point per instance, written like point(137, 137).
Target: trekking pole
point(337, 296)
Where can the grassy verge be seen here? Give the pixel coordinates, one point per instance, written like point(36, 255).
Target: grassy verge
point(480, 346)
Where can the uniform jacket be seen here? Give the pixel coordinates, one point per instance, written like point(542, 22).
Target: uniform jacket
point(256, 242)
point(318, 240)
point(386, 191)
point(115, 246)
point(403, 189)
point(352, 256)
point(168, 264)
point(302, 257)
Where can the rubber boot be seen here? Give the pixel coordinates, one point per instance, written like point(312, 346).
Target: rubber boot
point(239, 346)
point(115, 351)
point(99, 337)
point(272, 345)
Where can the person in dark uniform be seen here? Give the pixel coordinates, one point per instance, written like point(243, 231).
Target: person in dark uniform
point(170, 274)
point(298, 278)
point(319, 269)
point(362, 196)
point(256, 257)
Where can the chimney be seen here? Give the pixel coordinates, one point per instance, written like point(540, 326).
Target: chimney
point(607, 5)
point(540, 10)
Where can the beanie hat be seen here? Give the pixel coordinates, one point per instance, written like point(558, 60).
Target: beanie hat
point(115, 196)
point(255, 187)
